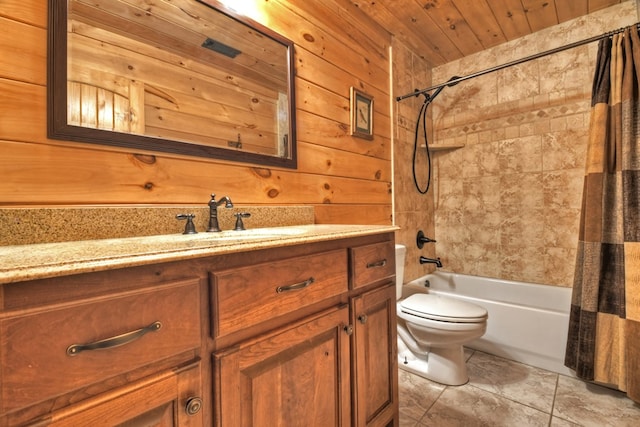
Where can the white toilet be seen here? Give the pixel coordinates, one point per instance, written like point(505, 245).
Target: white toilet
point(432, 330)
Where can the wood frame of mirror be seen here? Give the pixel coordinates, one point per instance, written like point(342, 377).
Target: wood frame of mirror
point(57, 97)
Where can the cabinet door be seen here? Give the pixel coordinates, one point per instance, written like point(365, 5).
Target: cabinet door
point(298, 376)
point(169, 399)
point(374, 357)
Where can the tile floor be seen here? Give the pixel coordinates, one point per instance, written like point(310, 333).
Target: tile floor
point(501, 392)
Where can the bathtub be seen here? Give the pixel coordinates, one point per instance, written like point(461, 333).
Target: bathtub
point(527, 322)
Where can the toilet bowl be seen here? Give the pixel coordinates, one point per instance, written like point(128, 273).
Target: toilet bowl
point(432, 330)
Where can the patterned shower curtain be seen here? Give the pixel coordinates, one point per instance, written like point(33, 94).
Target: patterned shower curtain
point(604, 327)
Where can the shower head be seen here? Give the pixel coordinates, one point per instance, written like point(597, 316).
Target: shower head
point(452, 80)
point(430, 98)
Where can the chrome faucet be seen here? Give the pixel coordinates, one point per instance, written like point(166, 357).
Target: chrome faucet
point(425, 260)
point(213, 211)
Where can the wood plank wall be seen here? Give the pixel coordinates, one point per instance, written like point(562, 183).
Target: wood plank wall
point(347, 179)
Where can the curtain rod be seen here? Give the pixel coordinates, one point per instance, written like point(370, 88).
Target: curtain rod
point(455, 80)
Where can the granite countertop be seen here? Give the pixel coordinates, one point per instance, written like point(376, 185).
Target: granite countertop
point(44, 260)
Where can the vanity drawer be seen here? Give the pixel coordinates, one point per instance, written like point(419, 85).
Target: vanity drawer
point(248, 296)
point(39, 352)
point(371, 263)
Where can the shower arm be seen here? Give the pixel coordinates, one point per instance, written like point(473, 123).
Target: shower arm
point(429, 98)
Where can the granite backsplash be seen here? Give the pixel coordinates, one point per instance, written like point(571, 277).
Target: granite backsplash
point(23, 226)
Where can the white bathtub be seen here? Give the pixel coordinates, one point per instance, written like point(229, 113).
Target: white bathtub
point(527, 322)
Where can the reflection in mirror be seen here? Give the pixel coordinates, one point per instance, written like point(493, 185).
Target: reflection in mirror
point(179, 76)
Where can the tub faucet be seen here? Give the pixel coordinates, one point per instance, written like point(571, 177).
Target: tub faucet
point(421, 239)
point(213, 211)
point(425, 260)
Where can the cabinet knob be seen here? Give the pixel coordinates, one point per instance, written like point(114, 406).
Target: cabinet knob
point(193, 406)
point(348, 329)
point(363, 318)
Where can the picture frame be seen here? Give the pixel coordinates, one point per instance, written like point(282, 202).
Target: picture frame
point(361, 114)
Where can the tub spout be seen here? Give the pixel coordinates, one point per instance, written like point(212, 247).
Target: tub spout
point(425, 260)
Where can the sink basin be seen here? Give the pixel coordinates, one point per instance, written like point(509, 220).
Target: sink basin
point(178, 242)
point(258, 233)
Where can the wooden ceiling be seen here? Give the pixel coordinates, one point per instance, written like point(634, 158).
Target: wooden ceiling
point(186, 28)
point(445, 30)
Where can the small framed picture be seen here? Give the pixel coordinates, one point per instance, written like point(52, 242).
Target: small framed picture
point(361, 114)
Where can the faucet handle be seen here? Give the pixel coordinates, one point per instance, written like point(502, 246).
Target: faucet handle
point(239, 223)
point(421, 239)
point(189, 227)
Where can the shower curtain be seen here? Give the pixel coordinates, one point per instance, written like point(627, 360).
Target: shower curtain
point(604, 327)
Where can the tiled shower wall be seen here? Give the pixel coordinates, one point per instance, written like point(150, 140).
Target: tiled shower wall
point(412, 210)
point(507, 204)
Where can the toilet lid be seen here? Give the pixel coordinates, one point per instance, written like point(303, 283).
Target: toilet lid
point(438, 307)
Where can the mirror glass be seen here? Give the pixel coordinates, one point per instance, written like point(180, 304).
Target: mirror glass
point(177, 76)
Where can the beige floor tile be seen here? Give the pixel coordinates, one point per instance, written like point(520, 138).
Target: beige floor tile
point(469, 406)
point(592, 405)
point(417, 395)
point(506, 393)
point(407, 422)
point(522, 383)
point(559, 422)
point(468, 352)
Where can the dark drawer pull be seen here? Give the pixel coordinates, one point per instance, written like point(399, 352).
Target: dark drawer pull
point(380, 263)
point(295, 286)
point(116, 341)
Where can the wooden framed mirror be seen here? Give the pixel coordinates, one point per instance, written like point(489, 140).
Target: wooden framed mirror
point(178, 76)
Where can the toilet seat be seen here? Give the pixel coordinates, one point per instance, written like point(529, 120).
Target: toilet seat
point(442, 309)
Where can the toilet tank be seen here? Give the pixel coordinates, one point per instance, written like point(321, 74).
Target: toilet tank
point(401, 250)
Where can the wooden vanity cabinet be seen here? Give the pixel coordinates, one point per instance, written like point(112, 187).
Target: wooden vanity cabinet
point(168, 399)
point(298, 376)
point(335, 367)
point(298, 335)
point(375, 374)
point(111, 352)
point(374, 350)
point(246, 297)
point(369, 264)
